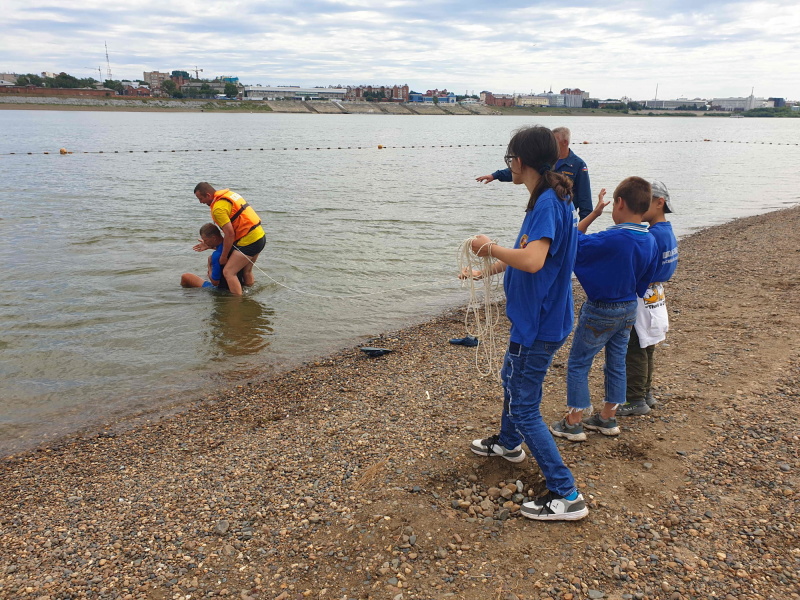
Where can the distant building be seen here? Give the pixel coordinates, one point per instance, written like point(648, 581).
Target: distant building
point(381, 93)
point(10, 77)
point(441, 97)
point(573, 98)
point(532, 101)
point(556, 99)
point(154, 79)
point(696, 104)
point(180, 78)
point(491, 99)
point(134, 88)
point(216, 86)
point(259, 92)
point(229, 79)
point(740, 104)
point(778, 102)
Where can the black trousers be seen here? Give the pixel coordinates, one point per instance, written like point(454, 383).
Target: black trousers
point(639, 368)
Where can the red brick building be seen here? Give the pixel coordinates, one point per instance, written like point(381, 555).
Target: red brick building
point(491, 99)
point(383, 93)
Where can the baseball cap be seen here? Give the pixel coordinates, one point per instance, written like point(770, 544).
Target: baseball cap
point(660, 191)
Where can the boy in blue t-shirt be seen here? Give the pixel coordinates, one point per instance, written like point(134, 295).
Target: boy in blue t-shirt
point(210, 237)
point(614, 267)
point(652, 321)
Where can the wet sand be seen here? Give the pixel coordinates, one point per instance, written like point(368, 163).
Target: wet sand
point(350, 477)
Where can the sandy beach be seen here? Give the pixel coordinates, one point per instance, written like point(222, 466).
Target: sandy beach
point(351, 477)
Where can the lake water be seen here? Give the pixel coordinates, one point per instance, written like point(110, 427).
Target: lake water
point(93, 323)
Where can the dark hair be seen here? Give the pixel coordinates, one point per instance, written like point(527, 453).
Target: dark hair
point(210, 229)
point(637, 194)
point(204, 188)
point(536, 147)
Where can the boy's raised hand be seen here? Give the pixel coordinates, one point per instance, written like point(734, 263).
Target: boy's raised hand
point(601, 204)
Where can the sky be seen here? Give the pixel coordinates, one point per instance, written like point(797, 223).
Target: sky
point(685, 48)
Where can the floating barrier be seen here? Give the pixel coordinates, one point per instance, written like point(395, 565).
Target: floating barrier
point(64, 151)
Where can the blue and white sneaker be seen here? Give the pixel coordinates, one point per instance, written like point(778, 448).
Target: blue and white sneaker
point(552, 507)
point(491, 447)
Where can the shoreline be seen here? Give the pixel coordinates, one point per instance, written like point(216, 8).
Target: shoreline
point(121, 104)
point(319, 478)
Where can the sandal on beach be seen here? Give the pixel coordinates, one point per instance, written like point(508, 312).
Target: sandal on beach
point(374, 352)
point(465, 341)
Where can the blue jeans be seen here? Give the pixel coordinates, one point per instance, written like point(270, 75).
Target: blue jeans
point(523, 375)
point(600, 325)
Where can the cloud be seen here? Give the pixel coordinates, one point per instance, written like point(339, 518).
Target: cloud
point(707, 49)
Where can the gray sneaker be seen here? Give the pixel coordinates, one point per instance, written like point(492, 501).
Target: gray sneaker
point(491, 447)
point(552, 507)
point(650, 399)
point(597, 423)
point(562, 429)
point(630, 409)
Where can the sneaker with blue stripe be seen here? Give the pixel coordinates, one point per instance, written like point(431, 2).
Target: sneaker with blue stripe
point(552, 507)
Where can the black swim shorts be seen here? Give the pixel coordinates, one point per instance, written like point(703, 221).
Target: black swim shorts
point(254, 248)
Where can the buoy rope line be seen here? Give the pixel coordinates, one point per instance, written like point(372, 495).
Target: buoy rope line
point(379, 147)
point(340, 296)
point(481, 317)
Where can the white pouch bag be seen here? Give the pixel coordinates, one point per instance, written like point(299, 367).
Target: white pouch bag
point(652, 320)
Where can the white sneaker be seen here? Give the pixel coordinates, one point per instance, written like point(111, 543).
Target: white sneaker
point(552, 507)
point(490, 447)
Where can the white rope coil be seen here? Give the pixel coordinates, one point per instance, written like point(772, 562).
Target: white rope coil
point(481, 317)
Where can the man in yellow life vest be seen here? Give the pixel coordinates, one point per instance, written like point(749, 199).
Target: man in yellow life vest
point(241, 229)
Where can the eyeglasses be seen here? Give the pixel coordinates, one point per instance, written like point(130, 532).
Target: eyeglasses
point(508, 158)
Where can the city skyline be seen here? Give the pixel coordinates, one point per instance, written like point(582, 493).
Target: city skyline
point(687, 49)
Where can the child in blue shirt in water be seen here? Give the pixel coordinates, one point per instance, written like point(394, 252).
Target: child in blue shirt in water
point(210, 237)
point(652, 321)
point(614, 267)
point(538, 290)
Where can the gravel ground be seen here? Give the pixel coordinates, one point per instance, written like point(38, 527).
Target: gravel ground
point(350, 477)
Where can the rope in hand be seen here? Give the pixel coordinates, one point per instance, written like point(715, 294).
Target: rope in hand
point(481, 318)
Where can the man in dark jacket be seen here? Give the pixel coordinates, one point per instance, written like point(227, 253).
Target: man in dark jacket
point(570, 164)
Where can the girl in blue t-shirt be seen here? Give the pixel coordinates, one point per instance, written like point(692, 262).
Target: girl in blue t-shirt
point(539, 305)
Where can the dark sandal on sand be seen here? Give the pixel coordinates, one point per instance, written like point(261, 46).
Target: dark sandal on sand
point(465, 341)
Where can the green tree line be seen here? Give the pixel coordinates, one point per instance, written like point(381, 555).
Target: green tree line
point(62, 80)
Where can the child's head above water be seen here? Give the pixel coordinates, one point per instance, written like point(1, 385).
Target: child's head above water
point(211, 235)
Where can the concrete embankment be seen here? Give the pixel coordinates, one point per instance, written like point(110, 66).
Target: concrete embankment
point(278, 106)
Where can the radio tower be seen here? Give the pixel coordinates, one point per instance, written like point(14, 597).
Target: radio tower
point(108, 64)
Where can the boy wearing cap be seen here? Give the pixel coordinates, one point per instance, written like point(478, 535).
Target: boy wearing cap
point(652, 321)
